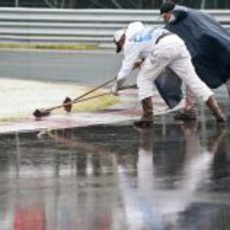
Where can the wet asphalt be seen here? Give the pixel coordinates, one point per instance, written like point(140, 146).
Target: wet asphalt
point(174, 175)
point(169, 176)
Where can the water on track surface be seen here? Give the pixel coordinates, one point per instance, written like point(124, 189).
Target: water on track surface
point(173, 176)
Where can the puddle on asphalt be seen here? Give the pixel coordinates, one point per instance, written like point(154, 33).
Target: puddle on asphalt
point(116, 177)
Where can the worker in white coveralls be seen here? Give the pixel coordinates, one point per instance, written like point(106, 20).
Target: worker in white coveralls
point(159, 49)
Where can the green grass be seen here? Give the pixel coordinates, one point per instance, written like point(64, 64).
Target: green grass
point(96, 104)
point(48, 46)
point(13, 118)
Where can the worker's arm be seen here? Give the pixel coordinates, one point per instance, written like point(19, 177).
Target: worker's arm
point(179, 13)
point(131, 56)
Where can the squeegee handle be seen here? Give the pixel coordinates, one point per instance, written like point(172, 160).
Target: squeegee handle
point(101, 95)
point(83, 95)
point(94, 89)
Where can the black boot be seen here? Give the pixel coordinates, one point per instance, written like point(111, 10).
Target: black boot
point(188, 115)
point(214, 107)
point(147, 117)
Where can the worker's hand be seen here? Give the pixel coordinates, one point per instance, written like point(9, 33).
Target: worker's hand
point(117, 86)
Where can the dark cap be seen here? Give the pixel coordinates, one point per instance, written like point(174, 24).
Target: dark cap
point(167, 7)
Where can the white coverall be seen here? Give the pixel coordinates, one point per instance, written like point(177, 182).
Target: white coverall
point(170, 51)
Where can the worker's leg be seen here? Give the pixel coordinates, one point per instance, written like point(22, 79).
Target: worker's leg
point(227, 83)
point(150, 70)
point(190, 99)
point(189, 112)
point(183, 67)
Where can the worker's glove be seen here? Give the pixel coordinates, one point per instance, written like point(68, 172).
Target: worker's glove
point(117, 86)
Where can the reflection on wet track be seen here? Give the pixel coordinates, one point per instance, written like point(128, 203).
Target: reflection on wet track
point(116, 177)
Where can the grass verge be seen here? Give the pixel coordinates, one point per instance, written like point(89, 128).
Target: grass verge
point(48, 46)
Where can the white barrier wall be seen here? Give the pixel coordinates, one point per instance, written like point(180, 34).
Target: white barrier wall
point(91, 26)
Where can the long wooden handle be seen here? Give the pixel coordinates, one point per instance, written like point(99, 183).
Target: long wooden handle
point(94, 89)
point(81, 96)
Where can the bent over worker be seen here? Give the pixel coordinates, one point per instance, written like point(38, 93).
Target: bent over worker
point(164, 50)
